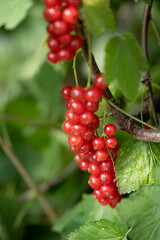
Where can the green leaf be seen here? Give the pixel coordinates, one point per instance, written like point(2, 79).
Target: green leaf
point(124, 62)
point(135, 163)
point(88, 209)
point(98, 16)
point(146, 1)
point(13, 12)
point(141, 212)
point(99, 230)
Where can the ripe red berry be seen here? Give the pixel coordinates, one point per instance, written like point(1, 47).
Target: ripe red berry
point(50, 28)
point(65, 38)
point(52, 57)
point(53, 44)
point(94, 182)
point(77, 93)
point(111, 142)
point(105, 177)
point(102, 155)
point(52, 3)
point(84, 155)
point(52, 14)
point(66, 90)
point(146, 127)
point(70, 15)
point(67, 127)
point(75, 140)
point(98, 143)
point(65, 54)
point(88, 135)
point(84, 165)
point(86, 118)
point(76, 43)
point(92, 106)
point(95, 122)
point(103, 201)
point(77, 107)
point(74, 3)
point(110, 130)
point(107, 190)
point(85, 148)
point(106, 166)
point(68, 103)
point(79, 129)
point(72, 117)
point(93, 157)
point(93, 94)
point(99, 81)
point(74, 149)
point(97, 194)
point(93, 169)
point(60, 27)
point(77, 158)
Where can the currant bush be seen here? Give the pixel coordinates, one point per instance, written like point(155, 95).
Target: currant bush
point(62, 17)
point(95, 154)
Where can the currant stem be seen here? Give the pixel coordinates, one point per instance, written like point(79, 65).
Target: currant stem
point(45, 40)
point(74, 66)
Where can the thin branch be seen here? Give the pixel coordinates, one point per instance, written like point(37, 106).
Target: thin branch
point(49, 184)
point(147, 77)
point(126, 123)
point(28, 180)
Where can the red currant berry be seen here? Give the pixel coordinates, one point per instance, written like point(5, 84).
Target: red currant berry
point(105, 177)
point(94, 182)
point(60, 27)
point(91, 106)
point(95, 123)
point(111, 142)
point(88, 135)
point(75, 140)
point(79, 129)
point(68, 103)
point(65, 38)
point(53, 44)
point(98, 143)
point(93, 94)
point(50, 28)
point(84, 155)
point(93, 169)
point(71, 117)
point(84, 165)
point(77, 158)
point(106, 166)
point(99, 81)
point(110, 130)
point(52, 57)
point(102, 155)
point(66, 90)
point(77, 107)
point(76, 43)
point(86, 118)
point(67, 127)
point(65, 54)
point(77, 93)
point(107, 190)
point(70, 15)
point(52, 3)
point(74, 3)
point(74, 149)
point(93, 157)
point(52, 14)
point(103, 201)
point(146, 127)
point(97, 194)
point(85, 148)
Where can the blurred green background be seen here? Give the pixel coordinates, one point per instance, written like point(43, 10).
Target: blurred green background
point(32, 112)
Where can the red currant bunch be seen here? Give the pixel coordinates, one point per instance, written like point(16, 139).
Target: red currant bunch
point(93, 153)
point(62, 17)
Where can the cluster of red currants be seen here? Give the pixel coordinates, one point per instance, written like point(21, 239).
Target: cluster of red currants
point(94, 154)
point(62, 16)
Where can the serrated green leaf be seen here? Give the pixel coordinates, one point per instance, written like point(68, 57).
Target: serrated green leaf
point(135, 163)
point(88, 209)
point(124, 62)
point(141, 212)
point(98, 230)
point(13, 12)
point(98, 16)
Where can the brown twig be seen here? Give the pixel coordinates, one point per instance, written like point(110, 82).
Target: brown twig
point(53, 182)
point(126, 123)
point(147, 77)
point(28, 180)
